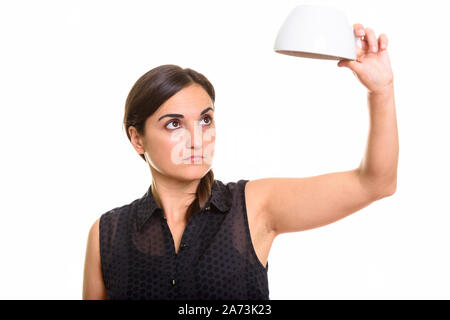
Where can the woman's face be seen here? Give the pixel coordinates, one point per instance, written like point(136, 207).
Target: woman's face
point(182, 127)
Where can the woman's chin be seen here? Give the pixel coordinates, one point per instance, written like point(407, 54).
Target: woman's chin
point(191, 171)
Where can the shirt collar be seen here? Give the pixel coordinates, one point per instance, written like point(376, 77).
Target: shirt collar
point(146, 206)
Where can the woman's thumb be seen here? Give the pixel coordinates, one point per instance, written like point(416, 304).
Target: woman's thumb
point(351, 64)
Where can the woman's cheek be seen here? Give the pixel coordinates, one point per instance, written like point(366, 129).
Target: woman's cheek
point(180, 142)
point(175, 153)
point(208, 152)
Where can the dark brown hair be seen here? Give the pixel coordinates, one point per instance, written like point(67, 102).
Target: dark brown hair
point(149, 92)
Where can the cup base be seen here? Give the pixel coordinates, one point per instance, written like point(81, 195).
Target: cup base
point(310, 55)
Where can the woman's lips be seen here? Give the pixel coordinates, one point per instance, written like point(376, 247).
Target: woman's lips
point(194, 158)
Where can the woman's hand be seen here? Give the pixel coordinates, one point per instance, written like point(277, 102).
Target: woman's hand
point(372, 65)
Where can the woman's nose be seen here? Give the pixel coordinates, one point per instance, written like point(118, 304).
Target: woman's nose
point(195, 136)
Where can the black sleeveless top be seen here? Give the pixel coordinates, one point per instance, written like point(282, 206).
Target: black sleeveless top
point(216, 259)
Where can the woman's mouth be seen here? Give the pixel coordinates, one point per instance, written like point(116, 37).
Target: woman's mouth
point(194, 158)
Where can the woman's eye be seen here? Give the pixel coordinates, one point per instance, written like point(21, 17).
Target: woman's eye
point(209, 119)
point(168, 127)
point(177, 124)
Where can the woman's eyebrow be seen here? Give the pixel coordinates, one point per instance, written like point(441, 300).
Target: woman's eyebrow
point(177, 115)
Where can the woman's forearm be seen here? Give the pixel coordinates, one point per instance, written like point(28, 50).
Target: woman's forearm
point(378, 168)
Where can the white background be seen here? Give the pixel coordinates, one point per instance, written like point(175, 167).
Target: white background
point(66, 68)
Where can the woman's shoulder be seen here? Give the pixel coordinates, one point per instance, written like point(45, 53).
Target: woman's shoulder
point(231, 190)
point(118, 211)
point(233, 184)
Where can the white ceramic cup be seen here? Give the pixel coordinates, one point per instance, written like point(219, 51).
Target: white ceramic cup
point(318, 32)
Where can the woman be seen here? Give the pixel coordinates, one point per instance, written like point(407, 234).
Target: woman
point(191, 236)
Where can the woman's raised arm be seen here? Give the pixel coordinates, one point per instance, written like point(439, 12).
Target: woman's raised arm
point(295, 204)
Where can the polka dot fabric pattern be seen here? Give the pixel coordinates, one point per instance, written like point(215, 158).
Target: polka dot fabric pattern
point(216, 258)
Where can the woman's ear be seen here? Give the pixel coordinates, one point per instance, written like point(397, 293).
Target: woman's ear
point(136, 140)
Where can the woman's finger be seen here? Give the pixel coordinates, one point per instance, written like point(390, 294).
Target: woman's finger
point(360, 32)
point(360, 52)
point(364, 44)
point(358, 28)
point(382, 42)
point(371, 40)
